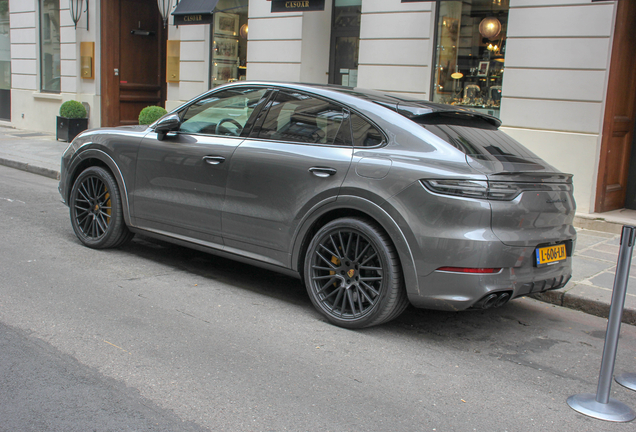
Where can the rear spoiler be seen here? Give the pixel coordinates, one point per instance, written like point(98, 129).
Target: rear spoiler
point(447, 114)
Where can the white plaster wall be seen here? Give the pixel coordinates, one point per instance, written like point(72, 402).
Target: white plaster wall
point(173, 98)
point(31, 109)
point(274, 44)
point(395, 46)
point(316, 40)
point(23, 45)
point(557, 60)
point(194, 70)
point(195, 60)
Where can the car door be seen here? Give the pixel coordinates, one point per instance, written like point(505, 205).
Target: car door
point(181, 179)
point(297, 156)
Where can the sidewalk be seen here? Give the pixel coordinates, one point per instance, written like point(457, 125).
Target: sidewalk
point(595, 256)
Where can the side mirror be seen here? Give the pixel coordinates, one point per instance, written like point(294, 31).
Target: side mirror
point(167, 124)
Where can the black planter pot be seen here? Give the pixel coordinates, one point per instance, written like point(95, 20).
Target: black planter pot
point(67, 128)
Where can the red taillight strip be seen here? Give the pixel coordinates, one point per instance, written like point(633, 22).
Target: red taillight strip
point(470, 270)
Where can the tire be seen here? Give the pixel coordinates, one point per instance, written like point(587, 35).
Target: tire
point(96, 211)
point(353, 275)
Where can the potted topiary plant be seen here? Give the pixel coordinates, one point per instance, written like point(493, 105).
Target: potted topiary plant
point(151, 114)
point(71, 121)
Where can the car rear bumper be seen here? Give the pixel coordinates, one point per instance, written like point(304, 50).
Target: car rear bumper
point(453, 291)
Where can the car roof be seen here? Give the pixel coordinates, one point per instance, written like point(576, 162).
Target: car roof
point(419, 110)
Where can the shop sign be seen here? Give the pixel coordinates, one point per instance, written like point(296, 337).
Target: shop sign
point(297, 5)
point(193, 19)
point(194, 12)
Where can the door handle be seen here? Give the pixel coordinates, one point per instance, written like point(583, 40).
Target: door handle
point(322, 171)
point(213, 160)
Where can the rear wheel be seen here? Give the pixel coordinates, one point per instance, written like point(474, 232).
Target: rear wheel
point(96, 211)
point(353, 274)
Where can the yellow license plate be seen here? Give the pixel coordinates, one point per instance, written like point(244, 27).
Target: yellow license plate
point(550, 255)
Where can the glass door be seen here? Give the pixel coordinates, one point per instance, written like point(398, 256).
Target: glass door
point(345, 42)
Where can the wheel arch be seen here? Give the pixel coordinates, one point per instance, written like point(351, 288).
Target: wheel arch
point(351, 206)
point(94, 157)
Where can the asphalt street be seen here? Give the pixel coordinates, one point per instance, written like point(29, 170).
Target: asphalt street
point(158, 337)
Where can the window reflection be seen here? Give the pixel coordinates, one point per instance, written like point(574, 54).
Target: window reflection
point(50, 46)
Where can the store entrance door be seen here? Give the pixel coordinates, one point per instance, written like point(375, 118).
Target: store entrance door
point(133, 43)
point(345, 42)
point(619, 120)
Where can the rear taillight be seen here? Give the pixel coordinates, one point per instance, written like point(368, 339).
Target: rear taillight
point(491, 190)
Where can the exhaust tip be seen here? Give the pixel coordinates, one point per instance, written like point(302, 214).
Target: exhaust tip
point(489, 301)
point(502, 300)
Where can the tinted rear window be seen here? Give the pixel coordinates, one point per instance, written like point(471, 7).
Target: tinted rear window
point(486, 144)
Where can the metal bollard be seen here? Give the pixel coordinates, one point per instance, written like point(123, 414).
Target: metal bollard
point(601, 406)
point(627, 380)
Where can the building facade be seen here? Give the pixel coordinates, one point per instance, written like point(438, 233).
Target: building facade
point(559, 73)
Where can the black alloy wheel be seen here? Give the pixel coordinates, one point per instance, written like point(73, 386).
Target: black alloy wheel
point(96, 211)
point(353, 275)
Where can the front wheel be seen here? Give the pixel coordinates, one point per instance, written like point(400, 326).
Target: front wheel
point(353, 275)
point(96, 210)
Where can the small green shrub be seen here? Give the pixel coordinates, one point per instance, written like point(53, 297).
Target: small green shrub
point(72, 109)
point(151, 114)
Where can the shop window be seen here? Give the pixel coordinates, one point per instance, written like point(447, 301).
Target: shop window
point(5, 62)
point(469, 60)
point(50, 46)
point(229, 42)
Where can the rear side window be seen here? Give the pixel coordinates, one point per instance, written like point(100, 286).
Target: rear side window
point(297, 117)
point(364, 133)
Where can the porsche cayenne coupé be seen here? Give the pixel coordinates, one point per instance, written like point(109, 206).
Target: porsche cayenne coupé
point(373, 200)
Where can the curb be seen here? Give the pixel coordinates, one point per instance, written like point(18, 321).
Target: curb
point(598, 224)
point(46, 172)
point(589, 306)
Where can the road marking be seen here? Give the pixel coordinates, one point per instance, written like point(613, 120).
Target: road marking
point(116, 346)
point(10, 200)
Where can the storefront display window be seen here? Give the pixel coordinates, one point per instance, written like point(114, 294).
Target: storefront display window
point(469, 60)
point(5, 62)
point(50, 46)
point(345, 42)
point(229, 42)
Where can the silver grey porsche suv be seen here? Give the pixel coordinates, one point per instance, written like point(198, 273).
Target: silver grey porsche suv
point(373, 200)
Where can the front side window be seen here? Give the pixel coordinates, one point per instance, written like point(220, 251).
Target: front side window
point(469, 61)
point(50, 46)
point(297, 117)
point(222, 113)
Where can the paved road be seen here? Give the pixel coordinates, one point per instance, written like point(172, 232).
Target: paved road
point(164, 338)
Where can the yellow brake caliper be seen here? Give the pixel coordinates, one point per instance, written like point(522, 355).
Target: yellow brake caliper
point(336, 261)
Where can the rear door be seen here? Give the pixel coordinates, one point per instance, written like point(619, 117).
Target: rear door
point(297, 156)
